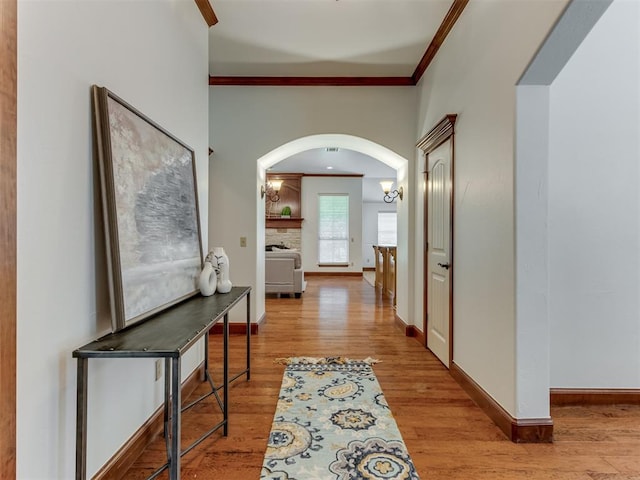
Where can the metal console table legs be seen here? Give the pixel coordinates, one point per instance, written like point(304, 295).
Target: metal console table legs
point(167, 335)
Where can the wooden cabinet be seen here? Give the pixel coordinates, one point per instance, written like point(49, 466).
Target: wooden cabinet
point(289, 195)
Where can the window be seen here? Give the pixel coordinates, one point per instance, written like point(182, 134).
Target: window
point(333, 229)
point(387, 228)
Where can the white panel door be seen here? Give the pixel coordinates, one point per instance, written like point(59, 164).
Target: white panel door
point(439, 266)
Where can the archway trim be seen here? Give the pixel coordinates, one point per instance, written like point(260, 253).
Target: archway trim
point(338, 140)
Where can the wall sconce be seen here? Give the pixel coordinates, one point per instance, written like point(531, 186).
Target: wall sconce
point(271, 190)
point(389, 196)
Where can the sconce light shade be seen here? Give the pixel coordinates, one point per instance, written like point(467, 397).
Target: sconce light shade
point(389, 196)
point(271, 190)
point(276, 185)
point(386, 186)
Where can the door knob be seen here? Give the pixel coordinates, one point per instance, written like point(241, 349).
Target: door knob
point(444, 265)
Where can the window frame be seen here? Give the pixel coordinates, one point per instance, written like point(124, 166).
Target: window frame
point(386, 212)
point(347, 239)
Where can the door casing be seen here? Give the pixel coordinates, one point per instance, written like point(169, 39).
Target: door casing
point(442, 132)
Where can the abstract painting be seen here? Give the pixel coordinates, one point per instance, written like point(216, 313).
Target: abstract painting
point(150, 206)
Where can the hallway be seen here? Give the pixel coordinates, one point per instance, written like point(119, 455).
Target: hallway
point(448, 437)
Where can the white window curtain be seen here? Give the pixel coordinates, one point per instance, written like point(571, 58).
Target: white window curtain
point(387, 228)
point(333, 229)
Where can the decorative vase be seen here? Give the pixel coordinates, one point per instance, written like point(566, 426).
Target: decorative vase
point(224, 283)
point(208, 279)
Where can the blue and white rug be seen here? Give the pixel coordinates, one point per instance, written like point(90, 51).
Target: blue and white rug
point(333, 422)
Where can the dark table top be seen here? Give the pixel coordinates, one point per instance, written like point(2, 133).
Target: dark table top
point(168, 333)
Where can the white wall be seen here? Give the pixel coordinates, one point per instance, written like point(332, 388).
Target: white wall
point(370, 229)
point(248, 122)
point(153, 55)
point(594, 208)
point(311, 188)
point(474, 76)
point(532, 266)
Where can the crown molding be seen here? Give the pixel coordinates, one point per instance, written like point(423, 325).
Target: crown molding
point(207, 12)
point(438, 39)
point(311, 81)
point(447, 24)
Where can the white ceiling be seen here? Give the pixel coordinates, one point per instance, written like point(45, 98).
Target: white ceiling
point(322, 37)
point(343, 162)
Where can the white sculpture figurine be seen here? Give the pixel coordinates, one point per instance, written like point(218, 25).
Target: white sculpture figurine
point(208, 278)
point(224, 283)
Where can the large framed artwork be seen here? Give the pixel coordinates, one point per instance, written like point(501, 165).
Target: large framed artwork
point(150, 206)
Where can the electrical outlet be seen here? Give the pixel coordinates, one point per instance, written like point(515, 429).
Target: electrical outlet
point(243, 241)
point(158, 369)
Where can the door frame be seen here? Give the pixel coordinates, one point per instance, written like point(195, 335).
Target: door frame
point(442, 132)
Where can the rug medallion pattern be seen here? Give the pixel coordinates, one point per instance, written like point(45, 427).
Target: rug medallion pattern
point(332, 422)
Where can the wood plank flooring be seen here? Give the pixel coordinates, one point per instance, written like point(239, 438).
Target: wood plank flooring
point(447, 435)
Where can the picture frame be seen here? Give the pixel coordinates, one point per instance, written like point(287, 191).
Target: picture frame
point(150, 208)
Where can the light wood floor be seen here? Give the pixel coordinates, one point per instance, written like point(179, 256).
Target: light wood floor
point(447, 436)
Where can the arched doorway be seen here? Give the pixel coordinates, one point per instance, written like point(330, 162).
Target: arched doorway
point(349, 142)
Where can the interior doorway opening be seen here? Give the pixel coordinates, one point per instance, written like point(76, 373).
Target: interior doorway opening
point(360, 145)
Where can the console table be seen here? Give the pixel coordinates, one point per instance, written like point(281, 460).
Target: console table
point(168, 334)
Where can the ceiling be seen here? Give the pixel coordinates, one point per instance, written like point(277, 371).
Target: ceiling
point(318, 161)
point(342, 161)
point(328, 38)
point(322, 37)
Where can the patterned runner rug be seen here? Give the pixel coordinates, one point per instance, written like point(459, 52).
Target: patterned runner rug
point(333, 422)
